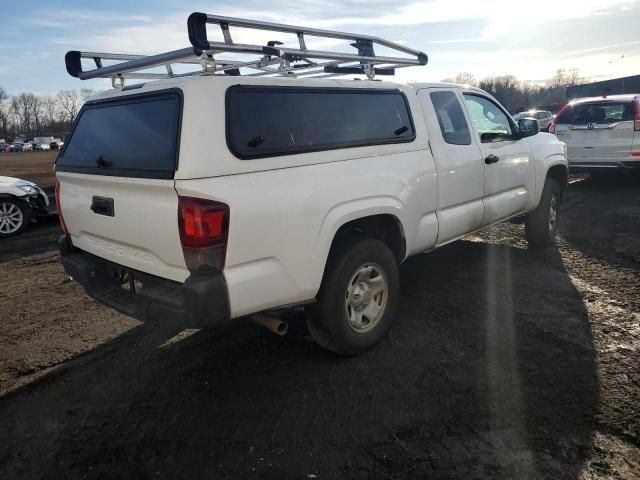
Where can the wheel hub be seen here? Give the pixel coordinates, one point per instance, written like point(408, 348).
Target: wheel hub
point(361, 296)
point(366, 298)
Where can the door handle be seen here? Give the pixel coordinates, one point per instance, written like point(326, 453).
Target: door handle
point(102, 206)
point(491, 159)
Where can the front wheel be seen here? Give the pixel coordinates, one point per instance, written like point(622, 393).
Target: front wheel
point(357, 299)
point(541, 225)
point(13, 217)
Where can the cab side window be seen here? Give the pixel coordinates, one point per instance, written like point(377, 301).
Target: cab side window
point(453, 125)
point(490, 121)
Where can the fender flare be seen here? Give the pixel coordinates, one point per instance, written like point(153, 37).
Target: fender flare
point(343, 213)
point(550, 161)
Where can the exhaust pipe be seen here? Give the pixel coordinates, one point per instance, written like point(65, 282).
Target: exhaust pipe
point(275, 325)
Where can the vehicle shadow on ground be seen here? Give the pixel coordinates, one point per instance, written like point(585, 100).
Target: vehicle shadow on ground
point(489, 372)
point(602, 217)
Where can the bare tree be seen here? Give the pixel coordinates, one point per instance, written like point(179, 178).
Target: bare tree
point(50, 109)
point(23, 106)
point(69, 101)
point(463, 78)
point(85, 93)
point(4, 113)
point(566, 78)
point(38, 113)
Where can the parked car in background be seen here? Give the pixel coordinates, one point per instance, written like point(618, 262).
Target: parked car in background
point(601, 132)
point(56, 145)
point(7, 147)
point(41, 146)
point(21, 147)
point(544, 117)
point(21, 202)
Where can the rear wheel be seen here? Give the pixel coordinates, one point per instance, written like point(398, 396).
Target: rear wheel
point(357, 299)
point(541, 225)
point(13, 217)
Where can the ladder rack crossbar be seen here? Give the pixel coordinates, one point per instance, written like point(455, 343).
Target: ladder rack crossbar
point(271, 59)
point(198, 34)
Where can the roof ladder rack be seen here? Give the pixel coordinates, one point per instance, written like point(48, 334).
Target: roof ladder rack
point(273, 59)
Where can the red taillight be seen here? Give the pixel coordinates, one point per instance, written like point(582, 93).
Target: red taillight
point(552, 127)
point(63, 226)
point(204, 227)
point(636, 115)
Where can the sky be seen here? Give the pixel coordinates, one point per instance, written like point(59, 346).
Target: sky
point(530, 40)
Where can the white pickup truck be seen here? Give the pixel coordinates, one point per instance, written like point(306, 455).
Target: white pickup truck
point(211, 197)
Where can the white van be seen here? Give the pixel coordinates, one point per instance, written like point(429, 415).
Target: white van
point(214, 196)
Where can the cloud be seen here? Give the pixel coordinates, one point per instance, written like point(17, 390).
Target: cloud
point(456, 34)
point(502, 11)
point(606, 47)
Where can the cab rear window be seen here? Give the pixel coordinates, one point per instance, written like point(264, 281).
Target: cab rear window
point(600, 112)
point(269, 121)
point(133, 136)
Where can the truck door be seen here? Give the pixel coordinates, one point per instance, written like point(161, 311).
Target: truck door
point(459, 163)
point(509, 176)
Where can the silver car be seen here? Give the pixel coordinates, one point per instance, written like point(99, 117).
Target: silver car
point(544, 117)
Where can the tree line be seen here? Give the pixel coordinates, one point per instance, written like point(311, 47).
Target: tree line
point(517, 95)
point(28, 115)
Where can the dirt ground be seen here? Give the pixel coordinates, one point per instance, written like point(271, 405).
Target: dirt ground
point(504, 362)
point(33, 166)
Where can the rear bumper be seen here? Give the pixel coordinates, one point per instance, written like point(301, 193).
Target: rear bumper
point(201, 300)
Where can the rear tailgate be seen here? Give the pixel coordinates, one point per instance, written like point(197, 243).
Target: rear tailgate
point(601, 131)
point(117, 192)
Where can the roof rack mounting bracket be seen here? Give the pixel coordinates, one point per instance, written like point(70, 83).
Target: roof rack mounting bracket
point(365, 47)
point(117, 82)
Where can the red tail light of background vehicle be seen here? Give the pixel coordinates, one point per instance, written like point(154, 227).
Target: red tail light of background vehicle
point(63, 226)
point(204, 228)
point(636, 115)
point(552, 127)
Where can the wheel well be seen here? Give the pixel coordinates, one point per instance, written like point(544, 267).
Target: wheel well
point(385, 228)
point(559, 174)
point(13, 197)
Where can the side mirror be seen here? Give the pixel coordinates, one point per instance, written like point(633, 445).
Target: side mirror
point(528, 127)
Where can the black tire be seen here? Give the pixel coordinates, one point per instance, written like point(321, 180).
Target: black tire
point(328, 318)
point(8, 209)
point(539, 229)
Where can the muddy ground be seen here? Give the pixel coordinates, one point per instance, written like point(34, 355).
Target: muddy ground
point(504, 363)
point(33, 166)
